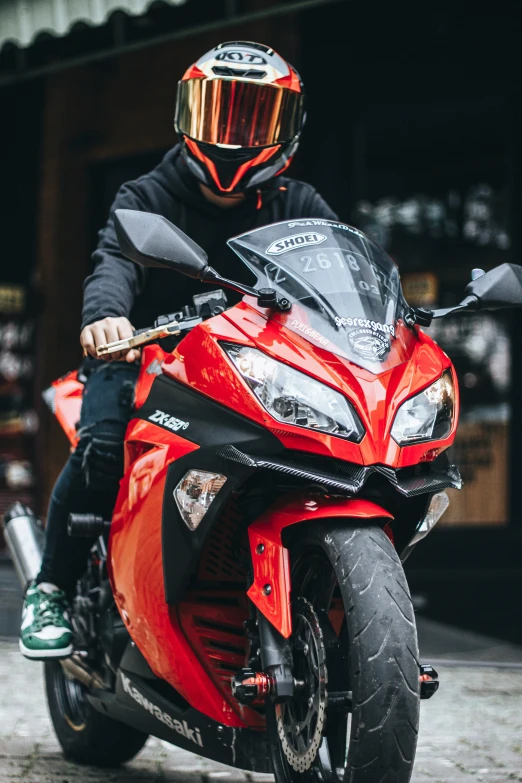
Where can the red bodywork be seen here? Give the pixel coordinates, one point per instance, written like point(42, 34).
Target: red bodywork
point(197, 645)
point(67, 403)
point(270, 558)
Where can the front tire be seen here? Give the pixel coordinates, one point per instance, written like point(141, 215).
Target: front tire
point(353, 579)
point(87, 736)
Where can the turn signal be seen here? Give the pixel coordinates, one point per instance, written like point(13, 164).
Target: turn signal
point(195, 493)
point(438, 505)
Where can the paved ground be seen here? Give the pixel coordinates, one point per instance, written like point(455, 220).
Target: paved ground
point(471, 731)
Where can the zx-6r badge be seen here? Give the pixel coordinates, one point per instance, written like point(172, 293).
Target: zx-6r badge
point(168, 421)
point(293, 242)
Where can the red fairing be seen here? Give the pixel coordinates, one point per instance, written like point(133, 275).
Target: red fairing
point(136, 570)
point(271, 588)
point(67, 404)
point(201, 363)
point(152, 357)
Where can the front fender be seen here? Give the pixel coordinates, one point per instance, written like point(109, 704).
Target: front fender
point(271, 588)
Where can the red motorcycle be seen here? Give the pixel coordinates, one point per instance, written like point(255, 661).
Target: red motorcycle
point(247, 601)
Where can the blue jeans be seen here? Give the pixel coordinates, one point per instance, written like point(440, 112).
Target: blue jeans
point(90, 479)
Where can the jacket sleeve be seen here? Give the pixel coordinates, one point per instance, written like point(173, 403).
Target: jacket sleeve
point(115, 282)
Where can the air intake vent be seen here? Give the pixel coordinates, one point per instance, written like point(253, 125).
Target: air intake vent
point(219, 561)
point(238, 73)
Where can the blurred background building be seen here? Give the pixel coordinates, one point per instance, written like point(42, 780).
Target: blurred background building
point(414, 134)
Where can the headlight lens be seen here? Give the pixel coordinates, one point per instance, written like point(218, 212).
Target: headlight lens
point(293, 397)
point(428, 415)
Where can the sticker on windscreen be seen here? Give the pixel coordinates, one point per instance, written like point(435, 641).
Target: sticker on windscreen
point(369, 344)
point(295, 241)
point(366, 323)
point(309, 332)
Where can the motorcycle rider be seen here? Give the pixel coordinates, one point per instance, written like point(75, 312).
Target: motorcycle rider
point(239, 117)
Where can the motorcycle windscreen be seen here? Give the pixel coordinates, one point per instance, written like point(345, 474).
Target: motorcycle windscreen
point(345, 290)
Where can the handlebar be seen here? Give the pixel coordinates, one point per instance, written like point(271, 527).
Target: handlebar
point(172, 325)
point(140, 337)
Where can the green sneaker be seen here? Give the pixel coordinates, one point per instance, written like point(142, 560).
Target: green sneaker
point(46, 630)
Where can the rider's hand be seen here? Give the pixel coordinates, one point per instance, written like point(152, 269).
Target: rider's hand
point(108, 330)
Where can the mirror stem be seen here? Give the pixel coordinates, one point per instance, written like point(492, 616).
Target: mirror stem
point(266, 297)
point(423, 317)
point(469, 303)
point(211, 276)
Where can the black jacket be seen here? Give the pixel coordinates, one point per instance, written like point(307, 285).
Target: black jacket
point(118, 287)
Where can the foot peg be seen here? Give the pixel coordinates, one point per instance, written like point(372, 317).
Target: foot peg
point(87, 525)
point(429, 681)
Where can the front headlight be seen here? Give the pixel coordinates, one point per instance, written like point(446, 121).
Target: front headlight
point(293, 397)
point(428, 415)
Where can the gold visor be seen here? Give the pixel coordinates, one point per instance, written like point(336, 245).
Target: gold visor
point(220, 111)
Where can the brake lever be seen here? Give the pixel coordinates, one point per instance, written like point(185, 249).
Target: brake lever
point(141, 337)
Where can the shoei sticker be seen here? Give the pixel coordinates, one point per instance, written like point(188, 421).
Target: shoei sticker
point(375, 326)
point(369, 344)
point(295, 241)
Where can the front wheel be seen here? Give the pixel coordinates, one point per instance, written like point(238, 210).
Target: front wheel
point(355, 716)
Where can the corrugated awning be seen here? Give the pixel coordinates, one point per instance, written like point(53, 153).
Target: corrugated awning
point(21, 21)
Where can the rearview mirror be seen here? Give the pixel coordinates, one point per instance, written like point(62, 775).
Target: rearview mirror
point(494, 290)
point(150, 240)
point(501, 287)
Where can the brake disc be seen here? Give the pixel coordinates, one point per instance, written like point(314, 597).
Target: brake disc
point(300, 721)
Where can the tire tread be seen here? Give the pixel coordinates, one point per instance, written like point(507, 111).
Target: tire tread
point(384, 650)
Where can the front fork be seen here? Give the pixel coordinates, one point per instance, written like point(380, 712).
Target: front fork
point(276, 678)
point(270, 592)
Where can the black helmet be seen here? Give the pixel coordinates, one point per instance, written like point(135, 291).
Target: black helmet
point(239, 116)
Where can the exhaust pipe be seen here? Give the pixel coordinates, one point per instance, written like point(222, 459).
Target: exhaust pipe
point(73, 670)
point(24, 536)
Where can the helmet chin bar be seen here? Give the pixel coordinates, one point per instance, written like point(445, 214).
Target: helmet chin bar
point(229, 171)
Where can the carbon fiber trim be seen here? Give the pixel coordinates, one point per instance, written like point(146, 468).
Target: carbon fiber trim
point(420, 485)
point(320, 478)
point(234, 455)
point(350, 478)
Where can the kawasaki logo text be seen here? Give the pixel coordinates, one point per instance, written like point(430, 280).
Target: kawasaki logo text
point(181, 727)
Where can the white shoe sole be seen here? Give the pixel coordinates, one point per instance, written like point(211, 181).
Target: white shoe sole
point(42, 655)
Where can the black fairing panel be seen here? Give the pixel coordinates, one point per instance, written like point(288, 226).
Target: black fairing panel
point(211, 426)
point(144, 703)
